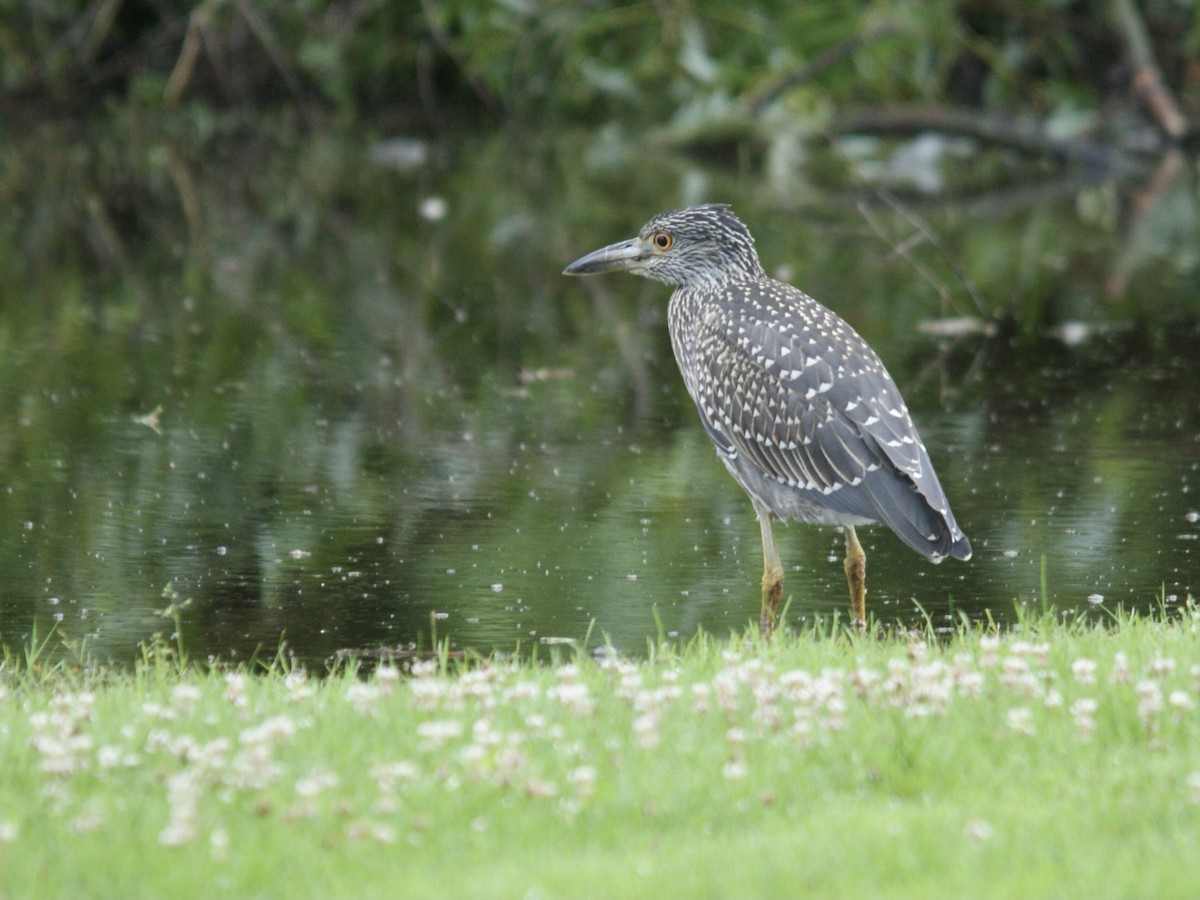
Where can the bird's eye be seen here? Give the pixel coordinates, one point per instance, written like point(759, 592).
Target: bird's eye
point(662, 240)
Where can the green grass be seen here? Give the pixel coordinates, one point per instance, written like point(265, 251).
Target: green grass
point(1054, 761)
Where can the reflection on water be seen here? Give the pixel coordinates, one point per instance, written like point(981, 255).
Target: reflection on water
point(497, 539)
point(354, 430)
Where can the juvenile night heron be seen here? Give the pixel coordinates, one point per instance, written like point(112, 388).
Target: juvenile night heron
point(802, 412)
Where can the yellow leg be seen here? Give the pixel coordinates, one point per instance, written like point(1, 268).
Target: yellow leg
point(772, 580)
point(856, 577)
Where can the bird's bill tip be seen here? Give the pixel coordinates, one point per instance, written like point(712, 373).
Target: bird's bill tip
point(619, 257)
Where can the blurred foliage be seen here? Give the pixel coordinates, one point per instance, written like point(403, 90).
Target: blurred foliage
point(542, 60)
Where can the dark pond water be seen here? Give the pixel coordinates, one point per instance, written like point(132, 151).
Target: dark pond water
point(319, 400)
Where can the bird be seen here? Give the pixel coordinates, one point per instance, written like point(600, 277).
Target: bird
point(799, 407)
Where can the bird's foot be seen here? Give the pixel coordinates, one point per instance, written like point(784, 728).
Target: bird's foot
point(856, 578)
point(772, 590)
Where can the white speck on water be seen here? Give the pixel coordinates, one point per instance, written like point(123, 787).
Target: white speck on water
point(1193, 516)
point(299, 554)
point(497, 587)
point(222, 550)
point(1010, 553)
point(1095, 599)
point(433, 209)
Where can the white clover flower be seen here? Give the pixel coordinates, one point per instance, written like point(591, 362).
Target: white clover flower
point(298, 686)
point(575, 696)
point(978, 831)
point(1182, 700)
point(218, 843)
point(1161, 666)
point(1193, 783)
point(645, 730)
point(862, 679)
point(383, 833)
point(268, 731)
point(387, 675)
point(539, 788)
point(387, 775)
point(989, 646)
point(438, 732)
point(424, 668)
point(363, 696)
point(583, 779)
point(184, 696)
point(1084, 671)
point(969, 682)
point(1020, 720)
point(734, 770)
point(315, 782)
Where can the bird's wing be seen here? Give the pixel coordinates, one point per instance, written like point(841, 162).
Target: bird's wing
point(798, 394)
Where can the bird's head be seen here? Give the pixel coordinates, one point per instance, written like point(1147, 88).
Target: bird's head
point(694, 246)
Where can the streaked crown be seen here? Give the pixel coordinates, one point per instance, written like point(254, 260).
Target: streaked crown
point(703, 245)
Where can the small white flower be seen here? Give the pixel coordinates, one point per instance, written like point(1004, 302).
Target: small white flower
point(436, 733)
point(1020, 720)
point(1182, 700)
point(1161, 666)
point(185, 695)
point(363, 696)
point(978, 831)
point(218, 843)
point(734, 770)
point(583, 779)
point(1084, 671)
point(1083, 710)
point(315, 782)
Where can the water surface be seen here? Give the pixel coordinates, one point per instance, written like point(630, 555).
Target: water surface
point(347, 409)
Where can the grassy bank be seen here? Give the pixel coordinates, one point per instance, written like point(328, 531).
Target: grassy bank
point(1056, 761)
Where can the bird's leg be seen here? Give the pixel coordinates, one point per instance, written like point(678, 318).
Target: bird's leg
point(856, 576)
point(772, 580)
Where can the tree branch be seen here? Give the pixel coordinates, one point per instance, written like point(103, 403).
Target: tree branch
point(1147, 77)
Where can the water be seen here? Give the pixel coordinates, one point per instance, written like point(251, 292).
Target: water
point(353, 424)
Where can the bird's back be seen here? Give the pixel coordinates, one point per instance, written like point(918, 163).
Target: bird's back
point(804, 413)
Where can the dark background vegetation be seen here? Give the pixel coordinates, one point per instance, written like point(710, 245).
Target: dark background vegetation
point(115, 109)
point(531, 62)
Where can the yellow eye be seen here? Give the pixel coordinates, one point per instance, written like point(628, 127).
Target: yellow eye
point(662, 240)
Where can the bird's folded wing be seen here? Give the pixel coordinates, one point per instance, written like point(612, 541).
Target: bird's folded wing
point(819, 417)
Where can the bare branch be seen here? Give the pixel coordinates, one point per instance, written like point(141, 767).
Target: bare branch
point(1147, 77)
